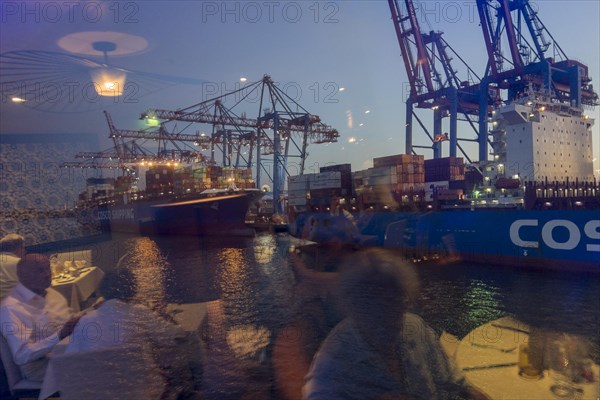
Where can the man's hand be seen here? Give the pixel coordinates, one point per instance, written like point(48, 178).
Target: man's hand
point(68, 327)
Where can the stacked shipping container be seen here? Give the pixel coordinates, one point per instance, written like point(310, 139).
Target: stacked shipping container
point(189, 180)
point(444, 169)
point(314, 189)
point(392, 180)
point(445, 178)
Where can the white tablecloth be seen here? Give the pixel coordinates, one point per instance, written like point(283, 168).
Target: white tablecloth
point(80, 288)
point(190, 317)
point(504, 383)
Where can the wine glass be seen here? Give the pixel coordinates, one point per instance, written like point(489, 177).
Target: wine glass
point(80, 264)
point(561, 369)
point(55, 266)
point(68, 266)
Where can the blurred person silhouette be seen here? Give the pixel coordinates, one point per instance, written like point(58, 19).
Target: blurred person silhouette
point(35, 317)
point(313, 316)
point(117, 321)
point(381, 350)
point(12, 248)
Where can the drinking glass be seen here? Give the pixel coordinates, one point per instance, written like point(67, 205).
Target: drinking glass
point(561, 370)
point(527, 368)
point(68, 266)
point(55, 266)
point(80, 264)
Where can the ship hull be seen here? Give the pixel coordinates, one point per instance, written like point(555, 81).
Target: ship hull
point(198, 216)
point(558, 239)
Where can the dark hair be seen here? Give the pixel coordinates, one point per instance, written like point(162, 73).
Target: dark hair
point(374, 277)
point(119, 284)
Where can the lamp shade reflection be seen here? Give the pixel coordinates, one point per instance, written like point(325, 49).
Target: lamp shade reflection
point(108, 81)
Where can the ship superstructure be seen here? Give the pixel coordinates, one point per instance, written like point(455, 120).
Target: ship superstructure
point(538, 139)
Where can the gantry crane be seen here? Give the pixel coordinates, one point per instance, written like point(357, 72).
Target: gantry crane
point(527, 65)
point(435, 85)
point(534, 57)
point(163, 148)
point(524, 58)
point(283, 130)
point(283, 127)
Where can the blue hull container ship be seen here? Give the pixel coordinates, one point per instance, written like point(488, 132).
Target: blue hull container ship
point(174, 202)
point(536, 205)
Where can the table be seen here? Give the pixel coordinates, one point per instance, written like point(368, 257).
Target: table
point(190, 317)
point(80, 288)
point(481, 348)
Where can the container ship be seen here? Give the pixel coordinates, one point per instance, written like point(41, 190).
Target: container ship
point(536, 204)
point(199, 201)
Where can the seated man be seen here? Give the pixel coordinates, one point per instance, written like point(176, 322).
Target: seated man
point(34, 316)
point(119, 322)
point(12, 248)
point(382, 351)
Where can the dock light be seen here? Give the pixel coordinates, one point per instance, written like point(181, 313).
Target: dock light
point(152, 120)
point(18, 100)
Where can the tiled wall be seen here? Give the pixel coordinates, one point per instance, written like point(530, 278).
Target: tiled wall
point(35, 193)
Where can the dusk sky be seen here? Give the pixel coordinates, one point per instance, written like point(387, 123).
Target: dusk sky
point(310, 48)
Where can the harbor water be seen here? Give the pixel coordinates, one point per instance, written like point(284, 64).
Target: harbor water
point(257, 285)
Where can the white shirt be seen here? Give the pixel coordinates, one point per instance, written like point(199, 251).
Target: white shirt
point(30, 322)
point(8, 273)
point(116, 323)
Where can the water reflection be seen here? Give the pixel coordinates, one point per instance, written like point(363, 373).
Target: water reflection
point(264, 250)
point(238, 285)
point(147, 264)
point(253, 280)
point(482, 303)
